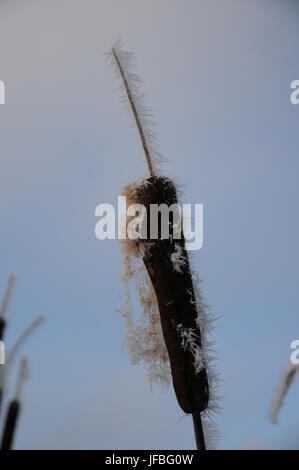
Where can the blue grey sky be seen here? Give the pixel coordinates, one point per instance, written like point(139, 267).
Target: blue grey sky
point(218, 76)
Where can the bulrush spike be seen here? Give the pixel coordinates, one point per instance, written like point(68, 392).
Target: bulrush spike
point(12, 353)
point(14, 409)
point(171, 331)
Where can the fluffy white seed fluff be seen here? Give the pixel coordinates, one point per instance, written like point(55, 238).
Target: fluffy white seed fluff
point(178, 258)
point(190, 343)
point(143, 338)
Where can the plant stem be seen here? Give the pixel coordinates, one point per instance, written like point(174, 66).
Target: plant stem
point(135, 113)
point(198, 430)
point(10, 425)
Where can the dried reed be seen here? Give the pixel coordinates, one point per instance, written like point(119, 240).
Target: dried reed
point(287, 378)
point(14, 408)
point(172, 327)
point(4, 369)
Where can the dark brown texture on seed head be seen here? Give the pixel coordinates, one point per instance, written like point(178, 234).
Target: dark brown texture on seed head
point(171, 288)
point(10, 425)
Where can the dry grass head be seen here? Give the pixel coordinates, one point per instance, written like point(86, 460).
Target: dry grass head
point(143, 337)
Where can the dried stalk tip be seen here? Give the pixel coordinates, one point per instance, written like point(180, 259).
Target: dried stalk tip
point(123, 63)
point(286, 381)
point(8, 296)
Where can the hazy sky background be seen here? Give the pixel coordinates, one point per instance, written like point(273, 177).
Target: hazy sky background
point(218, 76)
